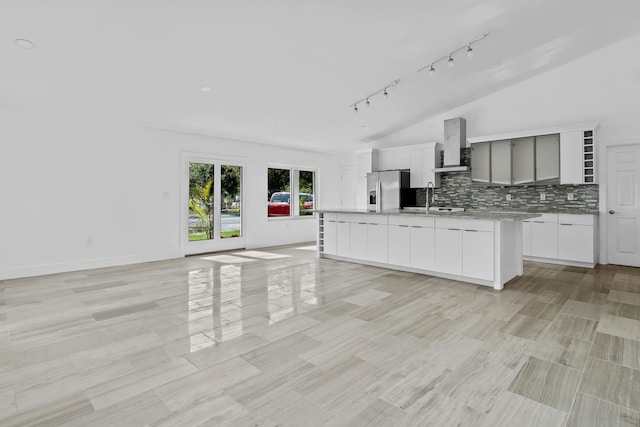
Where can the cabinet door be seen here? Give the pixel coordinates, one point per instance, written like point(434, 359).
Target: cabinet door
point(544, 239)
point(399, 249)
point(364, 163)
point(571, 157)
point(422, 248)
point(377, 243)
point(523, 160)
point(430, 161)
point(481, 162)
point(501, 162)
point(448, 250)
point(417, 168)
point(526, 238)
point(343, 239)
point(477, 254)
point(548, 159)
point(401, 158)
point(385, 160)
point(358, 237)
point(329, 236)
point(575, 242)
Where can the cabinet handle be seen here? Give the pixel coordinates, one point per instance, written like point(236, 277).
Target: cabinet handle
point(539, 222)
point(363, 223)
point(565, 224)
point(453, 229)
point(403, 226)
point(472, 231)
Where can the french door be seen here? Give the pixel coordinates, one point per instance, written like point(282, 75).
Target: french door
point(211, 205)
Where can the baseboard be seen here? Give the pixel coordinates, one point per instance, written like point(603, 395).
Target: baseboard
point(560, 262)
point(45, 269)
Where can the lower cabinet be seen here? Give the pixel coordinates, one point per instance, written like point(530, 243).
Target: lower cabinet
point(477, 254)
point(544, 239)
point(448, 242)
point(560, 238)
point(329, 237)
point(399, 250)
point(377, 243)
point(422, 248)
point(358, 236)
point(343, 239)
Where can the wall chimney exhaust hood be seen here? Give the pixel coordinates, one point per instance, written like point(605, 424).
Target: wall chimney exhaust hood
point(455, 140)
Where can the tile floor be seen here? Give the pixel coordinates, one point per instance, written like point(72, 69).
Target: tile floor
point(279, 337)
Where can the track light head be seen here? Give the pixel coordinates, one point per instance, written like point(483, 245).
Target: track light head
point(367, 102)
point(432, 71)
point(355, 108)
point(385, 93)
point(450, 61)
point(469, 52)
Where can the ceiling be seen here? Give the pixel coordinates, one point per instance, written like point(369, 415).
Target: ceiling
point(285, 72)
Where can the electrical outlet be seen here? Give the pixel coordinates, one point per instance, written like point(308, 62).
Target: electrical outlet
point(435, 197)
point(543, 197)
point(508, 197)
point(569, 196)
point(89, 241)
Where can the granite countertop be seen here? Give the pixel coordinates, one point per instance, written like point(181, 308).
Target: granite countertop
point(470, 214)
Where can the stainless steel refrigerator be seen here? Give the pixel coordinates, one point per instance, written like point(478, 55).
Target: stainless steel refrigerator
point(388, 190)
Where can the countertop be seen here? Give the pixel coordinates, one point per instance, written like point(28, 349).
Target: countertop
point(470, 214)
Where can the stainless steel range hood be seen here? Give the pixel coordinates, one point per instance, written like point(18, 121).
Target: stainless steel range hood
point(455, 140)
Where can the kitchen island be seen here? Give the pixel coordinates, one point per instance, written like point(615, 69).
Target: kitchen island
point(479, 247)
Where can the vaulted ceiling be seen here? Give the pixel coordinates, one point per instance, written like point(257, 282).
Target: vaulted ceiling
point(286, 72)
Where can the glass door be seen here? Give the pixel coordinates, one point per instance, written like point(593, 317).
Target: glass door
point(214, 206)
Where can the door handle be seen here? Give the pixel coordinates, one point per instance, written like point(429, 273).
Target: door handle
point(612, 212)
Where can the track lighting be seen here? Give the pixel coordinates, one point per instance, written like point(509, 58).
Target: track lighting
point(449, 57)
point(383, 90)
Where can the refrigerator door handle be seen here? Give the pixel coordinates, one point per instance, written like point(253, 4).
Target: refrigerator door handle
point(378, 196)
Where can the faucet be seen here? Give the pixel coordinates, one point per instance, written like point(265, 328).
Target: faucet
point(429, 185)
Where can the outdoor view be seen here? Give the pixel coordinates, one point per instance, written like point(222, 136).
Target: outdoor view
point(201, 201)
point(279, 192)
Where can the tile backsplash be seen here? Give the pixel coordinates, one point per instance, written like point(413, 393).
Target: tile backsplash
point(456, 190)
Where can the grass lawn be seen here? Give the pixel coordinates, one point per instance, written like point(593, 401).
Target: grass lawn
point(203, 236)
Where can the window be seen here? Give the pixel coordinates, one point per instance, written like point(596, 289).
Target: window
point(287, 184)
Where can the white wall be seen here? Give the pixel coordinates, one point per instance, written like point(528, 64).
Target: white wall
point(64, 180)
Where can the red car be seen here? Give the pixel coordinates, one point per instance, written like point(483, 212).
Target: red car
point(280, 204)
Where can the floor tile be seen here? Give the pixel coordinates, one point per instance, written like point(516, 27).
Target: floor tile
point(614, 383)
point(589, 411)
point(547, 383)
point(620, 327)
point(618, 350)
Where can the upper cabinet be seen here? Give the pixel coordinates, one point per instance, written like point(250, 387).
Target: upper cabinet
point(519, 161)
point(419, 159)
point(578, 157)
point(565, 157)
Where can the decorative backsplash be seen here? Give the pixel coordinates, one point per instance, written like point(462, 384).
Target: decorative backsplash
point(456, 190)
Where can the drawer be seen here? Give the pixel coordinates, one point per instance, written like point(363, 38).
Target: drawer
point(465, 224)
point(546, 217)
point(343, 217)
point(359, 218)
point(329, 216)
point(412, 220)
point(575, 219)
point(377, 219)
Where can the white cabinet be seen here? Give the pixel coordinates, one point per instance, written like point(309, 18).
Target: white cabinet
point(366, 161)
point(544, 239)
point(377, 243)
point(561, 238)
point(523, 150)
point(526, 238)
point(401, 158)
point(481, 162)
point(576, 238)
point(418, 178)
point(343, 238)
point(448, 243)
point(386, 160)
point(399, 250)
point(501, 162)
point(329, 234)
point(477, 254)
point(358, 237)
point(578, 157)
point(422, 243)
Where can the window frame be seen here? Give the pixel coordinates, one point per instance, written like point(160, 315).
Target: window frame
point(294, 185)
